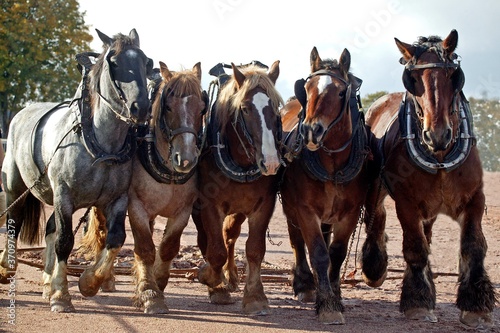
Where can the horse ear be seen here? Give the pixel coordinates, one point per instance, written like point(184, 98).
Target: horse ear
point(108, 41)
point(450, 43)
point(345, 61)
point(315, 60)
point(165, 72)
point(238, 75)
point(135, 37)
point(407, 50)
point(274, 72)
point(197, 70)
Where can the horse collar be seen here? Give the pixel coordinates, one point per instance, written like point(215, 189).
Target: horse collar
point(156, 166)
point(409, 128)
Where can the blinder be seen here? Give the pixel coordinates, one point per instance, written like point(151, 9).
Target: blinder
point(457, 78)
point(300, 92)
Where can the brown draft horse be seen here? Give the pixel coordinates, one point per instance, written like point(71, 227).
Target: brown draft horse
point(324, 186)
point(164, 183)
point(237, 181)
point(429, 165)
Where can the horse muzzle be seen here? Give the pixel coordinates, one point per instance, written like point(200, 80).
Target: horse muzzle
point(269, 166)
point(437, 140)
point(312, 135)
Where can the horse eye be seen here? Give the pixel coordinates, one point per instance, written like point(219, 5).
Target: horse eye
point(245, 110)
point(342, 94)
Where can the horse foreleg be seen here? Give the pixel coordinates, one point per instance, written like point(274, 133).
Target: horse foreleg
point(60, 299)
point(50, 256)
point(169, 248)
point(216, 256)
point(254, 298)
point(329, 306)
point(476, 296)
point(418, 294)
point(147, 294)
point(374, 252)
point(231, 232)
point(93, 277)
point(303, 284)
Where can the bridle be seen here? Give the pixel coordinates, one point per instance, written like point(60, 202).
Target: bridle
point(168, 133)
point(301, 94)
point(129, 120)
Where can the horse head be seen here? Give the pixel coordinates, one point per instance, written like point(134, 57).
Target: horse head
point(119, 77)
point(254, 118)
point(434, 79)
point(177, 114)
point(325, 98)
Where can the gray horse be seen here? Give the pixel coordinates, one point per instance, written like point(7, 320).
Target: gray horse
point(76, 155)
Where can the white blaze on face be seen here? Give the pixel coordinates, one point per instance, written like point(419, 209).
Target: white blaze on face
point(269, 152)
point(323, 82)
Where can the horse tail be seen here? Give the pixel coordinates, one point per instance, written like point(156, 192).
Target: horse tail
point(94, 239)
point(30, 232)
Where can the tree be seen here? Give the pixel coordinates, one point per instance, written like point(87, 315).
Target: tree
point(368, 100)
point(486, 114)
point(38, 43)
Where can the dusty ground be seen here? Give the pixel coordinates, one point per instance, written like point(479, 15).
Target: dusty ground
point(367, 310)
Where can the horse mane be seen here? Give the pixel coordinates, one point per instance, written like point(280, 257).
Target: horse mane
point(120, 42)
point(183, 83)
point(329, 64)
point(230, 97)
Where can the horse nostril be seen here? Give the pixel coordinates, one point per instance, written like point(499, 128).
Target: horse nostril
point(448, 135)
point(427, 137)
point(317, 130)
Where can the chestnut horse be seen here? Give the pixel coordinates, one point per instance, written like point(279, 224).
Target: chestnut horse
point(237, 181)
point(164, 183)
point(324, 186)
point(429, 165)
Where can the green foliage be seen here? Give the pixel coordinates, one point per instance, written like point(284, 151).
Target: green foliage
point(38, 43)
point(368, 100)
point(486, 113)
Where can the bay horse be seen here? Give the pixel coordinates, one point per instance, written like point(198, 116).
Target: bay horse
point(429, 165)
point(324, 185)
point(76, 155)
point(164, 183)
point(237, 180)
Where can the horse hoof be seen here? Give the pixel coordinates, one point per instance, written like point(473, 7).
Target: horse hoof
point(108, 285)
point(88, 284)
point(6, 276)
point(478, 320)
point(376, 283)
point(422, 314)
point(156, 307)
point(61, 306)
point(256, 308)
point(308, 296)
point(221, 296)
point(332, 318)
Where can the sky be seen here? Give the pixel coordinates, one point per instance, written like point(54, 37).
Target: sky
point(183, 32)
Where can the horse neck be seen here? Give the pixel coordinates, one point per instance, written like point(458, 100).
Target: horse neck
point(110, 131)
point(338, 137)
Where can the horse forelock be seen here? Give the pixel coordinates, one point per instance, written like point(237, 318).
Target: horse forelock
point(181, 84)
point(230, 97)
